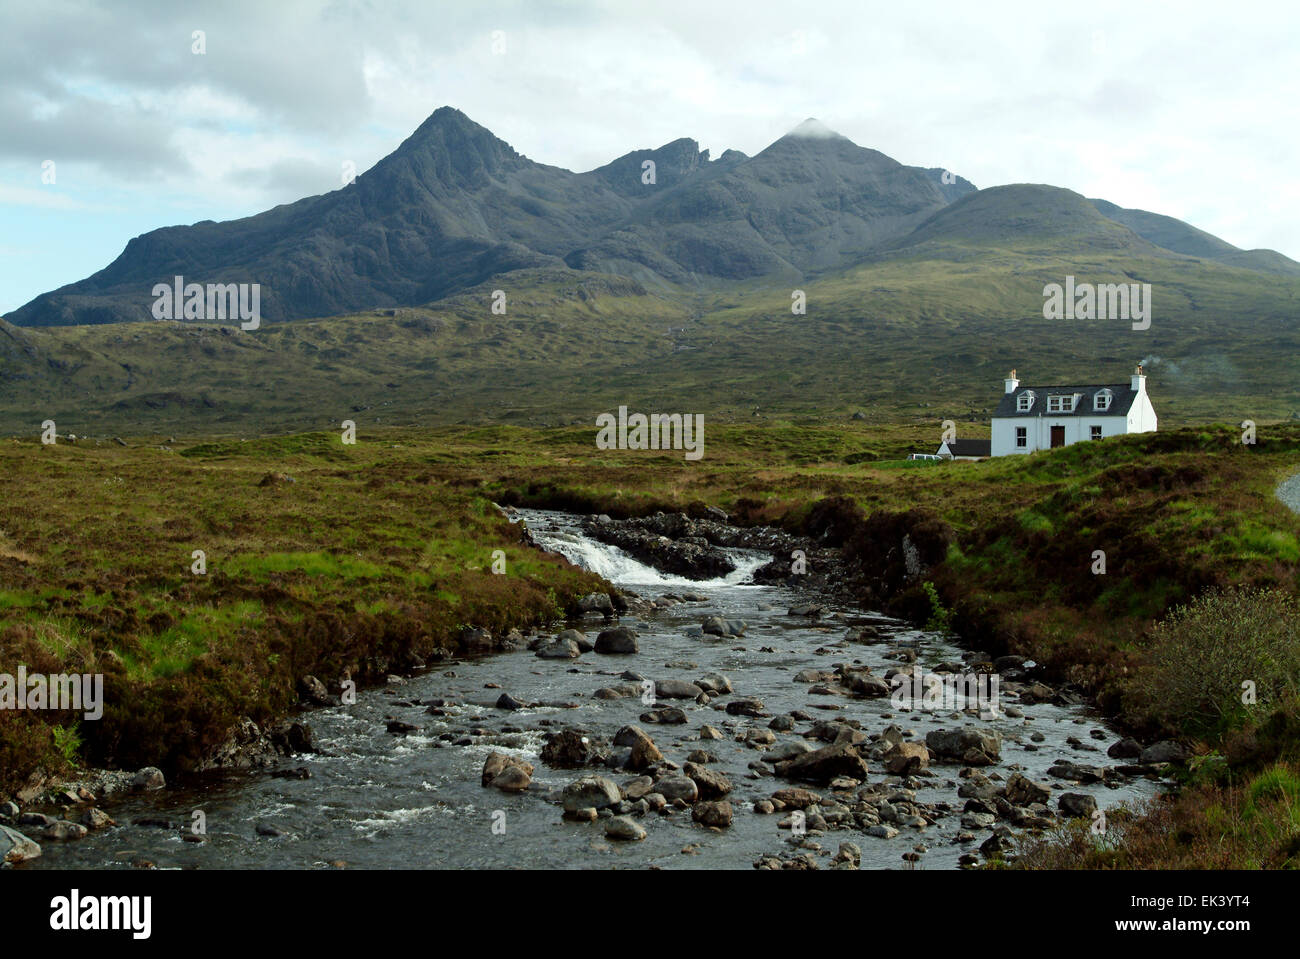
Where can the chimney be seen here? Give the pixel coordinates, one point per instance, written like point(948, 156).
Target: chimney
point(1012, 382)
point(1139, 381)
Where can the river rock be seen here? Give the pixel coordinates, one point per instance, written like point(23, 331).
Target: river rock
point(1166, 751)
point(710, 732)
point(974, 747)
point(785, 751)
point(620, 639)
point(717, 626)
point(94, 818)
point(314, 691)
point(676, 689)
point(905, 758)
point(512, 779)
point(597, 603)
point(711, 784)
point(496, 763)
point(678, 787)
point(746, 707)
point(591, 792)
point(823, 765)
point(1077, 805)
point(147, 779)
point(1023, 791)
point(624, 829)
point(718, 814)
point(62, 829)
point(559, 649)
point(506, 701)
point(1126, 748)
point(864, 684)
point(796, 797)
point(15, 847)
point(568, 749)
point(667, 716)
point(715, 683)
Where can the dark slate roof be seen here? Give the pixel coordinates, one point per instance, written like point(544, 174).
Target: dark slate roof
point(1119, 405)
point(970, 447)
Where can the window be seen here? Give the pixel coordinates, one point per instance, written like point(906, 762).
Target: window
point(1025, 401)
point(1022, 437)
point(1060, 404)
point(1096, 433)
point(1102, 400)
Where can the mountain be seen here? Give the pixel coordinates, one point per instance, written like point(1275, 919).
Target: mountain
point(1180, 237)
point(454, 205)
point(921, 291)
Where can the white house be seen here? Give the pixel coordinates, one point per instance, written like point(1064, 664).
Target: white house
point(1033, 418)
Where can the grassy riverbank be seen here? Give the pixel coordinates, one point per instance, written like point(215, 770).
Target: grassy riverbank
point(365, 557)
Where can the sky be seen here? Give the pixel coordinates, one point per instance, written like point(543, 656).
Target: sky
point(119, 118)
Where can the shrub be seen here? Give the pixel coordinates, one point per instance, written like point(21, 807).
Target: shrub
point(1202, 653)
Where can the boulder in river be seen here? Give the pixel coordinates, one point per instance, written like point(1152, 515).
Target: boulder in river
point(15, 847)
point(1077, 805)
point(624, 829)
point(711, 784)
point(676, 689)
point(905, 758)
point(497, 762)
point(823, 765)
point(1023, 791)
point(591, 792)
point(620, 639)
point(568, 749)
point(717, 814)
point(1166, 751)
point(974, 747)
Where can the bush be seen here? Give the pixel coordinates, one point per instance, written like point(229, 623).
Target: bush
point(1203, 652)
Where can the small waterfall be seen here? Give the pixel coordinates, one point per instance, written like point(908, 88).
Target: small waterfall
point(560, 533)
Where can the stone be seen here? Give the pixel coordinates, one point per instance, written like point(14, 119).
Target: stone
point(1077, 805)
point(15, 847)
point(62, 829)
point(974, 747)
point(94, 818)
point(676, 689)
point(1166, 751)
point(715, 683)
point(678, 787)
point(506, 701)
point(1126, 748)
point(624, 829)
point(597, 603)
point(710, 732)
point(718, 814)
point(619, 640)
point(560, 649)
point(148, 778)
point(591, 792)
point(567, 749)
point(497, 762)
point(796, 797)
point(1023, 791)
point(823, 765)
point(905, 758)
point(512, 779)
point(711, 784)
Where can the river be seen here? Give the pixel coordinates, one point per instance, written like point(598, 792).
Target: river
point(376, 800)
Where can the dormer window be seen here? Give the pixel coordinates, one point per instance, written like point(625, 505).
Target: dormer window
point(1102, 400)
point(1060, 404)
point(1025, 401)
